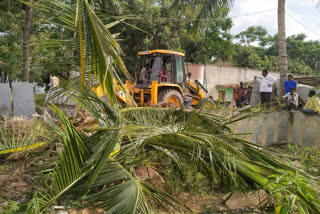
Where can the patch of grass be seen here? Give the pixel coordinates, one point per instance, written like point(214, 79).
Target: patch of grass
point(308, 157)
point(23, 172)
point(39, 100)
point(19, 132)
point(9, 207)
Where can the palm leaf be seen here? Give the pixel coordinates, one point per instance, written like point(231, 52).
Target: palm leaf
point(98, 51)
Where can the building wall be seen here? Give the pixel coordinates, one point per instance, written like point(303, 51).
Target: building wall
point(219, 75)
point(197, 72)
point(228, 95)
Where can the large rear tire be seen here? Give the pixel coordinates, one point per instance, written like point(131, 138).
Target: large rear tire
point(170, 98)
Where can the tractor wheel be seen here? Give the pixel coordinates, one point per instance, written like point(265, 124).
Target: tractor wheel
point(170, 98)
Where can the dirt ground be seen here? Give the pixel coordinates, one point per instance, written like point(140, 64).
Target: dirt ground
point(21, 173)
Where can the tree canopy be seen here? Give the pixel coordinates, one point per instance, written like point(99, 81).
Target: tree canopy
point(257, 49)
point(150, 24)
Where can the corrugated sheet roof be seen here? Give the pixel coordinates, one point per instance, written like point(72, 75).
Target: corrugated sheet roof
point(312, 81)
point(228, 86)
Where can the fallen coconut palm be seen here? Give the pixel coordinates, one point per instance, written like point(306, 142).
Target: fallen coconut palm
point(86, 172)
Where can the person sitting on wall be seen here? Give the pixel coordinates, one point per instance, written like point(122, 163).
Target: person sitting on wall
point(292, 99)
point(163, 74)
point(290, 83)
point(313, 104)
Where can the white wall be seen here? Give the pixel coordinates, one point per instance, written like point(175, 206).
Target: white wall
point(218, 75)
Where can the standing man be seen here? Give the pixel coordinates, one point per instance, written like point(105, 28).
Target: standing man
point(290, 83)
point(239, 95)
point(266, 87)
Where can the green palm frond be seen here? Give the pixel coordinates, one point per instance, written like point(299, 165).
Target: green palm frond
point(94, 49)
point(186, 137)
point(76, 161)
point(122, 192)
point(70, 169)
point(100, 109)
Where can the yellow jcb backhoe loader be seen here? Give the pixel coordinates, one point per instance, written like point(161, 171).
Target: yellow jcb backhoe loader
point(162, 80)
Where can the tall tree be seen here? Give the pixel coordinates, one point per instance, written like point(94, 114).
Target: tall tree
point(282, 43)
point(202, 10)
point(26, 43)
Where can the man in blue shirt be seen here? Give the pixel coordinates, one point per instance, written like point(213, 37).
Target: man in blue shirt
point(290, 83)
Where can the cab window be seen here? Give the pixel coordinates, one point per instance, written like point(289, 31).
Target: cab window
point(179, 69)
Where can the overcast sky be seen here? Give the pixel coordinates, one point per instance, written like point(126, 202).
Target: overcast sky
point(304, 12)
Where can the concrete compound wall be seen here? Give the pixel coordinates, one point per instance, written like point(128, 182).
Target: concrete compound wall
point(219, 75)
point(281, 127)
point(5, 99)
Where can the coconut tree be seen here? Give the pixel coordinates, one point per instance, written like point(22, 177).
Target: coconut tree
point(282, 44)
point(96, 52)
point(26, 43)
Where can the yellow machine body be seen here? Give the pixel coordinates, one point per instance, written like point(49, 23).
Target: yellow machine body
point(173, 93)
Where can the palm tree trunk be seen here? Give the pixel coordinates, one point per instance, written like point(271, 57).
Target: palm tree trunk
point(282, 44)
point(26, 43)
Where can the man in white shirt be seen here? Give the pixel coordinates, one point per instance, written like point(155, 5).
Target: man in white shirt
point(266, 87)
point(292, 99)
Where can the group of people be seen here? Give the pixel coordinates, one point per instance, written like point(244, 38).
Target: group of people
point(291, 96)
point(146, 74)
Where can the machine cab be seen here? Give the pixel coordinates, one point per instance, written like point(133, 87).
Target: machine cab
point(163, 66)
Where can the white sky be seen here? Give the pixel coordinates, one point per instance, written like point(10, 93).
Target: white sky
point(303, 11)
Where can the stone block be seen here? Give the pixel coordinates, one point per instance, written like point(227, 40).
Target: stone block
point(297, 132)
point(311, 130)
point(255, 127)
point(281, 121)
point(255, 97)
point(5, 99)
point(23, 99)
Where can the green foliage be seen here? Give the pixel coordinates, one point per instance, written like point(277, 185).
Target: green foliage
point(254, 34)
point(309, 158)
point(92, 48)
point(184, 179)
point(39, 100)
point(10, 207)
point(261, 50)
point(21, 135)
point(196, 143)
point(11, 21)
point(161, 29)
point(292, 193)
point(245, 56)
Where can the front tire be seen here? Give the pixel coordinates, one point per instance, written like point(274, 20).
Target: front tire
point(170, 98)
